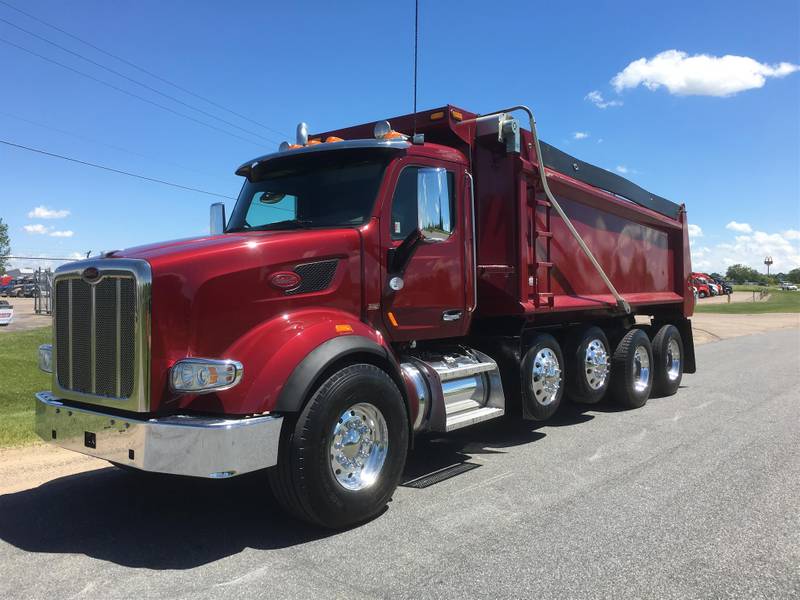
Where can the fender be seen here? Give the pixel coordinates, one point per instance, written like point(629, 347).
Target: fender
point(282, 358)
point(306, 375)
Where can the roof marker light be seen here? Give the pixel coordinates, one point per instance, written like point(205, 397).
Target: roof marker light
point(439, 114)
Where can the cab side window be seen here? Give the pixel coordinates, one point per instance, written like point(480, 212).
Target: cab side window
point(404, 203)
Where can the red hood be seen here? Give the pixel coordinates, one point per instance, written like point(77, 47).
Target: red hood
point(197, 244)
point(208, 292)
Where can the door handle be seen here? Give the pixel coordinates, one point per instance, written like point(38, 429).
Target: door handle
point(452, 315)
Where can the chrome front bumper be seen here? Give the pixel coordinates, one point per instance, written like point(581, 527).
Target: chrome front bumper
point(178, 445)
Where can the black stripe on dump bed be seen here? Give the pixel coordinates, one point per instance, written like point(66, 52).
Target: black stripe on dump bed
point(605, 180)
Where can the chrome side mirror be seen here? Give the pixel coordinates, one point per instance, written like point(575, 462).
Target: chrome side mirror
point(217, 219)
point(434, 217)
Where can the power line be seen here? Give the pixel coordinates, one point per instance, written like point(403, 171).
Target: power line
point(137, 82)
point(124, 91)
point(39, 258)
point(142, 69)
point(113, 170)
point(95, 141)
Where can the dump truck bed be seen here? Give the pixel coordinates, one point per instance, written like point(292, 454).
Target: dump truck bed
point(530, 263)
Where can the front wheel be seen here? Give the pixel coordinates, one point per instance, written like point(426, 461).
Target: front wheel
point(342, 460)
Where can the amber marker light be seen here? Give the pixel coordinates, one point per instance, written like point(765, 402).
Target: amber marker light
point(392, 320)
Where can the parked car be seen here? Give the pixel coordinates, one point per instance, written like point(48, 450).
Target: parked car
point(5, 289)
point(725, 287)
point(23, 289)
point(6, 313)
point(700, 284)
point(788, 287)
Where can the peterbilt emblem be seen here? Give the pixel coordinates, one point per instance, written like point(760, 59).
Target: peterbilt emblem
point(285, 280)
point(90, 275)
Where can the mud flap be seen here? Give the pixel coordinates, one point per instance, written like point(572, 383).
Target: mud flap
point(685, 328)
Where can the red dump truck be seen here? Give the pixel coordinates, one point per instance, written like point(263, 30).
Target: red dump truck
point(373, 284)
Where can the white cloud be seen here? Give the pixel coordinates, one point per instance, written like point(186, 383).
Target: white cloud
point(36, 228)
point(700, 74)
point(749, 249)
point(39, 229)
point(580, 135)
point(42, 212)
point(596, 98)
point(739, 227)
point(622, 169)
point(599, 140)
point(695, 231)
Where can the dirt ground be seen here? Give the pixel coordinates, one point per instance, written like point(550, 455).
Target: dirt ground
point(30, 466)
point(735, 297)
point(24, 317)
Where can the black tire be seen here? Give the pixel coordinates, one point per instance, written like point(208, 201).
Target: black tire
point(582, 372)
point(666, 382)
point(533, 405)
point(304, 482)
point(625, 371)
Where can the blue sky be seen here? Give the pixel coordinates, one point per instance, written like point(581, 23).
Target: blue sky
point(720, 134)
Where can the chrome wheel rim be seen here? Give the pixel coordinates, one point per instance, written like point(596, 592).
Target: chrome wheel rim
point(595, 364)
point(358, 446)
point(546, 376)
point(641, 369)
point(673, 360)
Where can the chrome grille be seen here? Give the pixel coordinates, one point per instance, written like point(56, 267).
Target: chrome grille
point(95, 335)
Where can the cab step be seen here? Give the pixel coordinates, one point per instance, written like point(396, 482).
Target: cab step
point(471, 417)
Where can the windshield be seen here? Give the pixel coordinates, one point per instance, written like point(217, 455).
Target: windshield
point(328, 189)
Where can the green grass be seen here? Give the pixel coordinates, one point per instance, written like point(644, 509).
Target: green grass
point(778, 302)
point(20, 378)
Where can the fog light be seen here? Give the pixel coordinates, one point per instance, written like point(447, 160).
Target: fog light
point(46, 358)
point(203, 375)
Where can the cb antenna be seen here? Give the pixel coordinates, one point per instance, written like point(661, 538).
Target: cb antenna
point(416, 45)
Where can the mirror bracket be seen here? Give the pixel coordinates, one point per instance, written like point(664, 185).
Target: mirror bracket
point(217, 219)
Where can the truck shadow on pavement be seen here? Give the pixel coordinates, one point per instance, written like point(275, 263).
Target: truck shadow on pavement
point(156, 522)
point(149, 522)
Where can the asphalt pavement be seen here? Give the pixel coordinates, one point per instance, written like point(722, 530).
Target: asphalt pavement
point(693, 496)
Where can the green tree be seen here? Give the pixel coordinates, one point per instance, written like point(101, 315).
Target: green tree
point(740, 273)
point(5, 246)
point(794, 275)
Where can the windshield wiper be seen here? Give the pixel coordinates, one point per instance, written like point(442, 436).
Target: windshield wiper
point(287, 224)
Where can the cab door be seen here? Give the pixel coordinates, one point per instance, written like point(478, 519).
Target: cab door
point(426, 236)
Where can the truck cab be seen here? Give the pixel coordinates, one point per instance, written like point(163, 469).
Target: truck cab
point(372, 284)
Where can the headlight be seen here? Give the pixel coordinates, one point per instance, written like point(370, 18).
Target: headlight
point(46, 358)
point(203, 375)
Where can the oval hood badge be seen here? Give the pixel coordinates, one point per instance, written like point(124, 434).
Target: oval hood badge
point(285, 280)
point(90, 275)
